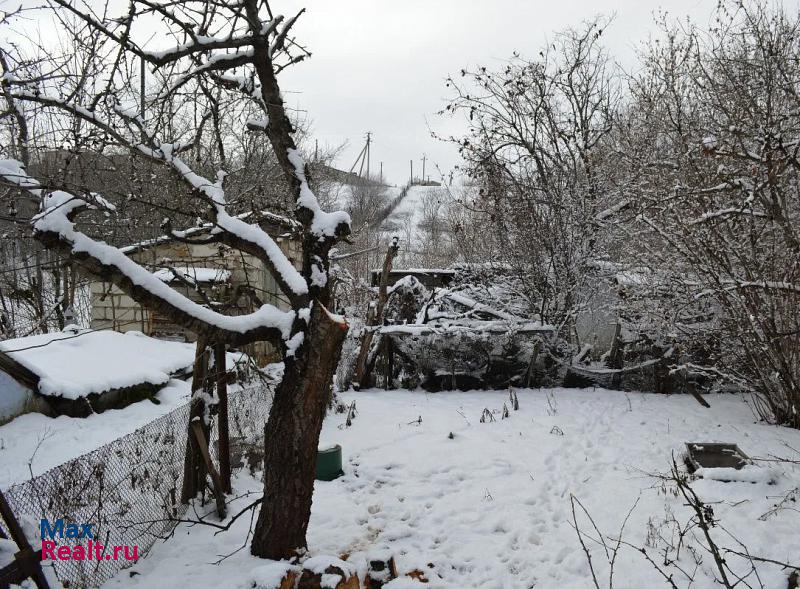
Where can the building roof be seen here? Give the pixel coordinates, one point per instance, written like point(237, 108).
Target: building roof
point(76, 363)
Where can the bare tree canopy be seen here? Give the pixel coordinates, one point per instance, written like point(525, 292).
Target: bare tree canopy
point(222, 67)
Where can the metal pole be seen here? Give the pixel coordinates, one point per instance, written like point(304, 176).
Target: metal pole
point(368, 142)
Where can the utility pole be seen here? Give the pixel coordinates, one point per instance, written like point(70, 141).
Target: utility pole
point(369, 140)
point(424, 157)
point(381, 172)
point(411, 180)
point(363, 158)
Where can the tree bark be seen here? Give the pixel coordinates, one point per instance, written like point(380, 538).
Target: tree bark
point(292, 438)
point(222, 417)
point(194, 468)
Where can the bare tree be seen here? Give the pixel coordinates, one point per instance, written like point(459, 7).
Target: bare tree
point(224, 59)
point(711, 139)
point(537, 138)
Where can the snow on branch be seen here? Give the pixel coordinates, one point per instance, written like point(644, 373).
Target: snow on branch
point(322, 224)
point(474, 305)
point(280, 39)
point(769, 285)
point(217, 62)
point(54, 227)
point(724, 213)
point(203, 43)
point(611, 211)
point(234, 231)
point(735, 285)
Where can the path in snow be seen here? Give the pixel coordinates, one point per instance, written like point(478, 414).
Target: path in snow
point(491, 507)
point(407, 221)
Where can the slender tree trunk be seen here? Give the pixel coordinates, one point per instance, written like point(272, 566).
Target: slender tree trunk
point(194, 467)
point(292, 438)
point(222, 417)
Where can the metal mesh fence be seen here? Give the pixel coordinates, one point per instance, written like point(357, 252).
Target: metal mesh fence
point(130, 488)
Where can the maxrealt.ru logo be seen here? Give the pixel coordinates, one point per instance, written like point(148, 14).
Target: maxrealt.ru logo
point(60, 530)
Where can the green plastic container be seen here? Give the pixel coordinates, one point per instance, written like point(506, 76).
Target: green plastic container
point(329, 463)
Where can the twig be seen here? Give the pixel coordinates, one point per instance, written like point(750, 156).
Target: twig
point(586, 551)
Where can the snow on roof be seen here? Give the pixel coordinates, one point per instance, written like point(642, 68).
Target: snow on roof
point(76, 364)
point(193, 274)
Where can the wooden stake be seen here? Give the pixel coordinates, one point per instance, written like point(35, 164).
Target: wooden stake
point(219, 495)
point(193, 473)
point(27, 562)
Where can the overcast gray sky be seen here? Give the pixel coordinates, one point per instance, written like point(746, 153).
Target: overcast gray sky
point(380, 65)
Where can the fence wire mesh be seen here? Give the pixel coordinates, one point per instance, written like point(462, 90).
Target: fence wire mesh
point(129, 489)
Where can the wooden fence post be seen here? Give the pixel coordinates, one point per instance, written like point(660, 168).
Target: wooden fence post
point(219, 494)
point(27, 562)
point(222, 418)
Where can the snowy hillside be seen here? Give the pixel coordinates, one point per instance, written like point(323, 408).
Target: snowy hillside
point(409, 218)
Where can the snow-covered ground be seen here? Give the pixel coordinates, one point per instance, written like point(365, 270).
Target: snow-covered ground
point(35, 443)
point(489, 505)
point(407, 220)
point(340, 194)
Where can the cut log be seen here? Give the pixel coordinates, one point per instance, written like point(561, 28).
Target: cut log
point(312, 580)
point(380, 572)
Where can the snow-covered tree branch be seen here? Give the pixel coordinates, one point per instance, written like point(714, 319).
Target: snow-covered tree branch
point(223, 63)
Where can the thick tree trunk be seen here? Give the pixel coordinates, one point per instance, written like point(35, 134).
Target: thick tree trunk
point(292, 438)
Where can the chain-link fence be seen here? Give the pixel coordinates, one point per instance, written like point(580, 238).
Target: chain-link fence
point(129, 489)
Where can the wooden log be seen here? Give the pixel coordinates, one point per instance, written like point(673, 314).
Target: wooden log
point(289, 581)
point(312, 580)
point(537, 346)
point(380, 572)
point(614, 358)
